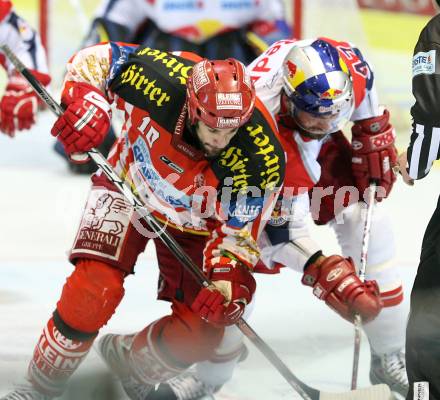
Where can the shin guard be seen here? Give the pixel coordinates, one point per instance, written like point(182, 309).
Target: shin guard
point(55, 359)
point(147, 362)
point(171, 344)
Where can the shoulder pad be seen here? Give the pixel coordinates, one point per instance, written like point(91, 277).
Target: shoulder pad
point(255, 157)
point(187, 55)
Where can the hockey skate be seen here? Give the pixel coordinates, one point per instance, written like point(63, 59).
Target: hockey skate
point(113, 350)
point(186, 386)
point(390, 369)
point(25, 391)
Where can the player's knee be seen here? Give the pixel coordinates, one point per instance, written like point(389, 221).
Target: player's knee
point(189, 338)
point(90, 295)
point(206, 337)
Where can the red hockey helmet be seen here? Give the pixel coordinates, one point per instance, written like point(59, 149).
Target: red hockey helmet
point(220, 94)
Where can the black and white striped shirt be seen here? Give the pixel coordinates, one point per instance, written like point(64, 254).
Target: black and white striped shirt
point(424, 144)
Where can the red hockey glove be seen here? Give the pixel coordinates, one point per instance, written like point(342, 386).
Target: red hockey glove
point(19, 104)
point(85, 121)
point(334, 280)
point(224, 302)
point(374, 154)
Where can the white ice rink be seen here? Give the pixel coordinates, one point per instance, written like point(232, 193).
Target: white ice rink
point(40, 205)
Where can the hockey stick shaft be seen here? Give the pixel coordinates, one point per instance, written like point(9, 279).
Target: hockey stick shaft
point(305, 391)
point(362, 270)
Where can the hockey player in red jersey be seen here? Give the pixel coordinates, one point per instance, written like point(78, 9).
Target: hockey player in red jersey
point(194, 142)
point(211, 29)
point(19, 104)
point(314, 87)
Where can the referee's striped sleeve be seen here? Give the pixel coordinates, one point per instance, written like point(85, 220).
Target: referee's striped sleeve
point(423, 149)
point(424, 143)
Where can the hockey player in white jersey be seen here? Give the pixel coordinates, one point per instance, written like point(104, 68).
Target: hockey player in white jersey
point(212, 29)
point(314, 87)
point(19, 104)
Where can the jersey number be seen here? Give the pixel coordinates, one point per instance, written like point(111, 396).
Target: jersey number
point(359, 65)
point(152, 134)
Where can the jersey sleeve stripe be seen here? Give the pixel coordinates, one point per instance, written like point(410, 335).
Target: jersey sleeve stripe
point(416, 147)
point(423, 150)
point(433, 149)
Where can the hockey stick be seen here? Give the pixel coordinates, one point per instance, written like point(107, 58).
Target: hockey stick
point(377, 392)
point(362, 269)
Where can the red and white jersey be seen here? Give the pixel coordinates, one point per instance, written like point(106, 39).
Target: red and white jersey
point(194, 20)
point(158, 155)
point(22, 39)
point(303, 170)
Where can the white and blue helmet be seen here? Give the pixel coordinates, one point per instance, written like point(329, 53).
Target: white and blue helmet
point(317, 81)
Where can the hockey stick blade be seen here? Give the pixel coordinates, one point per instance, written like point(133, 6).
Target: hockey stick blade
point(375, 392)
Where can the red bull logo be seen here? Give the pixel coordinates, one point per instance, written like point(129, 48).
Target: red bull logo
point(331, 94)
point(291, 67)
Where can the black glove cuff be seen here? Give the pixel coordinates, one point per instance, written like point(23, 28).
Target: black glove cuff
point(312, 259)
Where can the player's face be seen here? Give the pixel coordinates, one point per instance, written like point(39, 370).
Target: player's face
point(214, 140)
point(318, 125)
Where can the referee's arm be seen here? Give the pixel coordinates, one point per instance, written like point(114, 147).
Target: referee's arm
point(424, 144)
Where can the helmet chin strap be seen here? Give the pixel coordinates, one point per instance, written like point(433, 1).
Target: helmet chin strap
point(310, 135)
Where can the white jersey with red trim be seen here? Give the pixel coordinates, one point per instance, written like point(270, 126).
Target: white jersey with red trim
point(157, 152)
point(22, 39)
point(303, 170)
point(194, 20)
